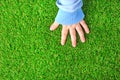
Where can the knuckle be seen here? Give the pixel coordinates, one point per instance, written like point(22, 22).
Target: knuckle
point(63, 39)
point(81, 34)
point(64, 34)
point(74, 38)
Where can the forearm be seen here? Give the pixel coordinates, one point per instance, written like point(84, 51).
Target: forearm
point(70, 12)
point(69, 5)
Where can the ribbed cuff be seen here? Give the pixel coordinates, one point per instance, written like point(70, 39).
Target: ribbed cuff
point(69, 18)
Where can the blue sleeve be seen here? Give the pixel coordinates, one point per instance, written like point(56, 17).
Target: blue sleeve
point(70, 12)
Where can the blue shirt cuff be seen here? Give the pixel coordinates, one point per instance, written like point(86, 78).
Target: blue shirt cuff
point(69, 18)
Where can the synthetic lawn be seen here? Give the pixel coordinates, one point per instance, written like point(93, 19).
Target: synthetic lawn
point(30, 51)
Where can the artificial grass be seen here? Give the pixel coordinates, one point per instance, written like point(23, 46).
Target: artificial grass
point(30, 51)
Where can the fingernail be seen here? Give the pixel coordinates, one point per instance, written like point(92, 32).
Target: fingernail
point(74, 45)
point(51, 28)
point(88, 32)
point(83, 41)
point(62, 43)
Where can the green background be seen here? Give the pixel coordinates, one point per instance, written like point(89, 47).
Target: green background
point(30, 51)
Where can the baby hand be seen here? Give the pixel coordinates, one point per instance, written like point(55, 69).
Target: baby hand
point(79, 27)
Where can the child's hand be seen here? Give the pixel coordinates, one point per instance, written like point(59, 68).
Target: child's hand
point(72, 29)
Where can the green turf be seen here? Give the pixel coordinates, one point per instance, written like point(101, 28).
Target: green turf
point(30, 51)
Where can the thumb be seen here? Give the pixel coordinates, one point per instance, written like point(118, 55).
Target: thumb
point(54, 26)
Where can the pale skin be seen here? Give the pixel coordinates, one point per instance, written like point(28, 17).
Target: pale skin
point(80, 28)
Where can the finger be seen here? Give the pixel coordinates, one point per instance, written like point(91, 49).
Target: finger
point(73, 36)
point(80, 32)
point(64, 34)
point(54, 26)
point(84, 25)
